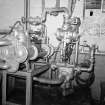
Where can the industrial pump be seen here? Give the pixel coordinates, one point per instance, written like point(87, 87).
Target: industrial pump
point(68, 65)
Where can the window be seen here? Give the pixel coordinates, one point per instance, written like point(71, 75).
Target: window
point(93, 4)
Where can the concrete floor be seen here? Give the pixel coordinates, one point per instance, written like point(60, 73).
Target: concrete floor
point(50, 96)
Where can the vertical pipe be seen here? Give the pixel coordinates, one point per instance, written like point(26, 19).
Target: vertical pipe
point(84, 7)
point(43, 5)
point(4, 85)
point(74, 1)
point(26, 16)
point(57, 3)
point(29, 89)
point(44, 26)
point(73, 4)
point(77, 52)
point(26, 12)
point(70, 6)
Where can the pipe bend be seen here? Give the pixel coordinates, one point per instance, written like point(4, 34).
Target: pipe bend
point(58, 9)
point(49, 10)
point(90, 69)
point(83, 69)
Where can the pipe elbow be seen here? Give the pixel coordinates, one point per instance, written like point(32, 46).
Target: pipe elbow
point(65, 10)
point(50, 10)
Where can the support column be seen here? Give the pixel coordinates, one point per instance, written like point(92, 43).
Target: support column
point(29, 89)
point(4, 85)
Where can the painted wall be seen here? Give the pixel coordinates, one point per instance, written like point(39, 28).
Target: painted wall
point(10, 11)
point(94, 33)
point(35, 8)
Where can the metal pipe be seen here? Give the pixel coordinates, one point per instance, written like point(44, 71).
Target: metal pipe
point(77, 52)
point(49, 81)
point(83, 69)
point(43, 5)
point(26, 12)
point(70, 6)
point(57, 3)
point(87, 81)
point(84, 7)
point(92, 60)
point(50, 10)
